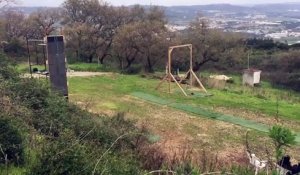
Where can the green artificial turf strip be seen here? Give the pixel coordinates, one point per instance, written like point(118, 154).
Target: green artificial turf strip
point(206, 113)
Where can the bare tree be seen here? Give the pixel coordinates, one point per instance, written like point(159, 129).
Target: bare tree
point(144, 40)
point(4, 3)
point(126, 45)
point(13, 24)
point(45, 20)
point(91, 26)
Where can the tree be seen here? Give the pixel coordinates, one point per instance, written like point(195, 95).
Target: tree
point(13, 31)
point(144, 40)
point(91, 26)
point(212, 45)
point(126, 45)
point(13, 24)
point(4, 3)
point(44, 21)
point(282, 137)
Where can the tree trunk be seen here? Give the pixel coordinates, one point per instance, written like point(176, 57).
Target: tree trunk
point(90, 58)
point(105, 54)
point(149, 64)
point(129, 62)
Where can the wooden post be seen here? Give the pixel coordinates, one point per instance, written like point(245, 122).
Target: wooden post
point(191, 65)
point(169, 76)
point(169, 68)
point(57, 64)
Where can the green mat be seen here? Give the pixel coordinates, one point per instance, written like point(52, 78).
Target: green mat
point(206, 113)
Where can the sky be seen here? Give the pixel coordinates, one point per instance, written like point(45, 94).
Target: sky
point(55, 3)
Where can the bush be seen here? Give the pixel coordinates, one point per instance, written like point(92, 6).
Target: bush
point(61, 157)
point(11, 149)
point(7, 70)
point(63, 139)
point(31, 92)
point(291, 80)
point(134, 69)
point(15, 48)
point(282, 137)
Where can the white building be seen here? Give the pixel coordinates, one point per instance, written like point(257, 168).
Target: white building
point(251, 77)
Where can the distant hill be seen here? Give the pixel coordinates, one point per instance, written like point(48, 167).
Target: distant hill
point(280, 7)
point(184, 14)
point(28, 10)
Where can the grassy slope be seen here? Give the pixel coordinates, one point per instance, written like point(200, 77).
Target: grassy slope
point(109, 93)
point(263, 99)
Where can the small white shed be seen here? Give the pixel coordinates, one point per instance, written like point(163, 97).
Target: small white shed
point(251, 77)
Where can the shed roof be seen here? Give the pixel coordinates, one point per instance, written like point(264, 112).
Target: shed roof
point(251, 70)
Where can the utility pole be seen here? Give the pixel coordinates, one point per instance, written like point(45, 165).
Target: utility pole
point(250, 52)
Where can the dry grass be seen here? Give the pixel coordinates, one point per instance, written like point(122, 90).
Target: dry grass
point(179, 132)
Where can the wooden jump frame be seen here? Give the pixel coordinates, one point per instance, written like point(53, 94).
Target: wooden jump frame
point(169, 76)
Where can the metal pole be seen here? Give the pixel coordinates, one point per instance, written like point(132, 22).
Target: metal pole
point(44, 57)
point(29, 59)
point(169, 68)
point(191, 65)
point(36, 53)
point(248, 59)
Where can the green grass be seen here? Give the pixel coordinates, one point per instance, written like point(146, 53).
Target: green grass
point(89, 67)
point(207, 113)
point(262, 99)
point(24, 67)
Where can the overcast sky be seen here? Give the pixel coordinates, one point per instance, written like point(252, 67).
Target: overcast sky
point(55, 3)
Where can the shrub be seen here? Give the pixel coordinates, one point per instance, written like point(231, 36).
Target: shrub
point(31, 92)
point(7, 70)
point(11, 148)
point(282, 137)
point(65, 139)
point(60, 157)
point(134, 69)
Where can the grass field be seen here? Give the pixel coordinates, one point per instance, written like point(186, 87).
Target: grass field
point(262, 99)
point(112, 93)
point(90, 67)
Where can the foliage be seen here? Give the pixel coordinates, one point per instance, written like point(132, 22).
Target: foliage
point(59, 157)
point(282, 137)
point(43, 22)
point(208, 48)
point(6, 68)
point(62, 138)
point(14, 48)
point(265, 44)
point(144, 41)
point(90, 29)
point(283, 69)
point(11, 143)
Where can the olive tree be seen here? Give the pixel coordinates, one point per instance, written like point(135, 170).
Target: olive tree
point(212, 45)
point(90, 27)
point(143, 41)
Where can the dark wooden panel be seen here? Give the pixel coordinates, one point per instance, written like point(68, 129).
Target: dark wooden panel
point(56, 63)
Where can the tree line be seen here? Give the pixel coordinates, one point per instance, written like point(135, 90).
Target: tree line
point(135, 38)
point(95, 30)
